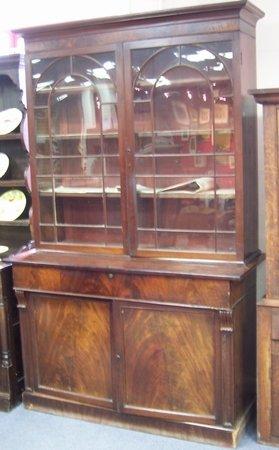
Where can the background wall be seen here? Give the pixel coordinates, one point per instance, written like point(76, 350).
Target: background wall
point(30, 12)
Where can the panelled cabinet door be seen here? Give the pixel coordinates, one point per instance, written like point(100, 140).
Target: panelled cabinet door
point(72, 348)
point(168, 363)
point(182, 135)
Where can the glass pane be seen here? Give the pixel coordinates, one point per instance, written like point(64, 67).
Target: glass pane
point(139, 57)
point(100, 66)
point(226, 243)
point(150, 72)
point(44, 166)
point(184, 166)
point(73, 145)
point(78, 166)
point(225, 165)
point(41, 120)
point(52, 70)
point(110, 145)
point(78, 186)
point(186, 214)
point(114, 237)
point(198, 242)
point(75, 108)
point(43, 147)
point(226, 203)
point(142, 118)
point(111, 165)
point(47, 234)
point(182, 91)
point(144, 165)
point(79, 211)
point(45, 189)
point(81, 235)
point(209, 59)
point(224, 141)
point(183, 142)
point(146, 239)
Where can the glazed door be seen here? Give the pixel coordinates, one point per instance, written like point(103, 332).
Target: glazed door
point(72, 348)
point(182, 147)
point(167, 363)
point(77, 169)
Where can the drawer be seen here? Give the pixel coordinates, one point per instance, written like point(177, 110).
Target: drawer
point(172, 289)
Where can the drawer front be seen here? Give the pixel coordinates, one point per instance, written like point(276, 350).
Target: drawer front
point(172, 289)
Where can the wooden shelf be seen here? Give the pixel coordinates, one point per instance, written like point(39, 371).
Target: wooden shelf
point(183, 132)
point(181, 231)
point(11, 137)
point(69, 136)
point(83, 192)
point(15, 223)
point(180, 155)
point(12, 183)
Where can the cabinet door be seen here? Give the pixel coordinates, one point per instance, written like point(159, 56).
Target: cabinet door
point(72, 348)
point(182, 137)
point(77, 150)
point(168, 363)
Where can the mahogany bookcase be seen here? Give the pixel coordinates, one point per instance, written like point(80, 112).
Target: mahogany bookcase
point(137, 305)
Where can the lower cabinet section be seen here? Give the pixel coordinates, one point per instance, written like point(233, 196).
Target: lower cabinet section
point(173, 369)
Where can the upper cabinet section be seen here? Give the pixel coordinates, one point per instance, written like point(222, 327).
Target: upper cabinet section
point(143, 134)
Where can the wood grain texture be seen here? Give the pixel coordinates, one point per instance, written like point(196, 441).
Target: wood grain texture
point(73, 350)
point(271, 130)
point(268, 317)
point(110, 285)
point(264, 371)
point(168, 365)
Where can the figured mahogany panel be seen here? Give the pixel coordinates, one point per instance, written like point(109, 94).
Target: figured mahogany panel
point(168, 365)
point(72, 342)
point(112, 285)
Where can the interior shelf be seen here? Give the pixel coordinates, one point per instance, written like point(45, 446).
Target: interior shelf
point(147, 193)
point(12, 183)
point(188, 132)
point(15, 223)
point(11, 137)
point(69, 136)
